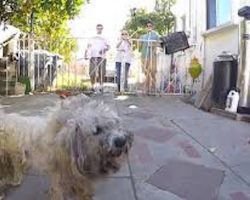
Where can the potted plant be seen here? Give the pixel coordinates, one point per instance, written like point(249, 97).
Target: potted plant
point(194, 69)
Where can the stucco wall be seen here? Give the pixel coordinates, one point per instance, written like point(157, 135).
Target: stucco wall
point(216, 43)
point(208, 44)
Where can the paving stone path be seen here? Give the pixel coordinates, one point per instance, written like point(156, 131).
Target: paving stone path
point(180, 153)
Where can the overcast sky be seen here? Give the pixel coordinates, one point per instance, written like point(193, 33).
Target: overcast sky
point(111, 13)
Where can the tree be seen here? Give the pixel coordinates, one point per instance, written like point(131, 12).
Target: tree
point(7, 8)
point(48, 21)
point(161, 16)
point(163, 9)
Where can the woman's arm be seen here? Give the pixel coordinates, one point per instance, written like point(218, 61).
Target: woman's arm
point(119, 44)
point(129, 42)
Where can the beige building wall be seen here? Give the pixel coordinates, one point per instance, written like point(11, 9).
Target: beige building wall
point(207, 44)
point(217, 42)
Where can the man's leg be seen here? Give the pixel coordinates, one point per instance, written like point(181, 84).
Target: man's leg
point(143, 65)
point(101, 70)
point(104, 70)
point(92, 71)
point(153, 73)
point(148, 75)
point(145, 69)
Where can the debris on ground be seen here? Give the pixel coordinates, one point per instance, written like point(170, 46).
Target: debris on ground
point(133, 106)
point(212, 149)
point(121, 98)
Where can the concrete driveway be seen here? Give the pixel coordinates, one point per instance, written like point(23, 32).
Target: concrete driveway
point(180, 153)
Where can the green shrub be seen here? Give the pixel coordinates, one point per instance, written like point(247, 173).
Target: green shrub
point(26, 81)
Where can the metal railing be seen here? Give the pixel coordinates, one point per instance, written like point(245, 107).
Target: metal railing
point(151, 71)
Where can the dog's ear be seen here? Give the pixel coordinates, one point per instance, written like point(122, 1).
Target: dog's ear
point(77, 149)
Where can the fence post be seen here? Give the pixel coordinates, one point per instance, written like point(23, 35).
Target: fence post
point(31, 71)
point(7, 78)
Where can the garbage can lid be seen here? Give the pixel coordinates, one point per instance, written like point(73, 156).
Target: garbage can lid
point(244, 12)
point(225, 56)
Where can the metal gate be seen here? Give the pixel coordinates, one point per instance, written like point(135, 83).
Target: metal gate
point(49, 70)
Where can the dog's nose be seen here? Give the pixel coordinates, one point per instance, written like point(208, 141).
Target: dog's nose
point(119, 142)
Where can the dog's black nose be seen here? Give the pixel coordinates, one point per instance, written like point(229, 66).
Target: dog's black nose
point(119, 142)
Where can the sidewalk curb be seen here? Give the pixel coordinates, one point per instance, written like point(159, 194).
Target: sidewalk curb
point(234, 116)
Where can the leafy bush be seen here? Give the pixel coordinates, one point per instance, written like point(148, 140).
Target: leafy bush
point(26, 81)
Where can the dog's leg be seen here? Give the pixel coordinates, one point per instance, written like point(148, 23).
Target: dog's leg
point(1, 196)
point(113, 164)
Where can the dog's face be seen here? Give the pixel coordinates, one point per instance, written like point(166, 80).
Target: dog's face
point(96, 134)
point(101, 150)
point(116, 142)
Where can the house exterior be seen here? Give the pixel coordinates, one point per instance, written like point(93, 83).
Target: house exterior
point(18, 60)
point(8, 44)
point(8, 39)
point(212, 27)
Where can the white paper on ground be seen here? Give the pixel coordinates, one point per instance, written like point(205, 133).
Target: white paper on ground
point(133, 106)
point(212, 149)
point(121, 98)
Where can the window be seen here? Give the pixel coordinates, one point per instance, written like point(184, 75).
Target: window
point(218, 12)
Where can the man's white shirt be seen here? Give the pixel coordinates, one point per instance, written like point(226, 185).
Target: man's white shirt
point(96, 45)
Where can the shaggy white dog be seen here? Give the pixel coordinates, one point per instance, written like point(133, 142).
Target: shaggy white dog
point(80, 138)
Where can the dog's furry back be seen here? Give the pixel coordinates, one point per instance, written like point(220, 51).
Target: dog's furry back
point(73, 140)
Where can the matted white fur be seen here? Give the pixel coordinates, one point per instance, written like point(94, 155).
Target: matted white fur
point(88, 132)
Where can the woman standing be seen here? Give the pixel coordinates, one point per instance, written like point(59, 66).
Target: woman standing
point(123, 59)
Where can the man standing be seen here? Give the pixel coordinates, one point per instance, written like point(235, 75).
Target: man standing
point(96, 50)
point(149, 43)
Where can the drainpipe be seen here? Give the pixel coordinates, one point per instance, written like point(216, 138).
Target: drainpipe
point(244, 70)
point(204, 62)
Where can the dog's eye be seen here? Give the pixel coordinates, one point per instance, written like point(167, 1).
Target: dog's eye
point(98, 130)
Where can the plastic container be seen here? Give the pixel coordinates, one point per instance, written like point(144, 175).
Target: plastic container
point(225, 78)
point(232, 101)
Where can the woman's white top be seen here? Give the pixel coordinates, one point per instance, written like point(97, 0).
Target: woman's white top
point(124, 52)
